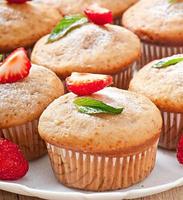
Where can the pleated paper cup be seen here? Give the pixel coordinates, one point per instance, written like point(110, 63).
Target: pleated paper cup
point(28, 50)
point(172, 130)
point(122, 79)
point(152, 52)
point(26, 136)
point(100, 173)
point(117, 21)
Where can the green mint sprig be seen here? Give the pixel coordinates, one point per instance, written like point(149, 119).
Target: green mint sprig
point(67, 24)
point(1, 57)
point(92, 106)
point(167, 62)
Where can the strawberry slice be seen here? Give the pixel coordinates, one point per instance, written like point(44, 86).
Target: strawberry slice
point(17, 1)
point(84, 84)
point(98, 15)
point(15, 67)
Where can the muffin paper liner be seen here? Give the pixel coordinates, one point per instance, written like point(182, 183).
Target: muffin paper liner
point(152, 52)
point(100, 173)
point(28, 50)
point(26, 136)
point(121, 80)
point(172, 130)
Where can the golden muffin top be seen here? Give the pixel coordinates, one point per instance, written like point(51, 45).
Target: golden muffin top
point(156, 21)
point(25, 100)
point(90, 48)
point(163, 86)
point(21, 25)
point(137, 127)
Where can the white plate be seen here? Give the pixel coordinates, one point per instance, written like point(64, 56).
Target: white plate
point(40, 182)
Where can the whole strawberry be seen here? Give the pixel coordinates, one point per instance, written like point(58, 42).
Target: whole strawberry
point(180, 151)
point(13, 165)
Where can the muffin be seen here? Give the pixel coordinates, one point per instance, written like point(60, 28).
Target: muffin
point(21, 25)
point(21, 104)
point(164, 86)
point(67, 7)
point(108, 49)
point(159, 24)
point(102, 151)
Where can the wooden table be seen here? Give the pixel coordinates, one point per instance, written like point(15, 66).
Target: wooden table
point(175, 194)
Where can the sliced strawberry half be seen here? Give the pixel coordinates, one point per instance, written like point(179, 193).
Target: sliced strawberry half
point(98, 15)
point(15, 67)
point(17, 1)
point(84, 84)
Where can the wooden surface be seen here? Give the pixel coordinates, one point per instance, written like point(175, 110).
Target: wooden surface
point(175, 194)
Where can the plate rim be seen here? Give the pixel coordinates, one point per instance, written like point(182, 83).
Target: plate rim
point(130, 194)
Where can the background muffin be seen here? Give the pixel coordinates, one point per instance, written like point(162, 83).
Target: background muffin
point(164, 86)
point(72, 7)
point(91, 48)
point(103, 151)
point(159, 24)
point(21, 104)
point(21, 25)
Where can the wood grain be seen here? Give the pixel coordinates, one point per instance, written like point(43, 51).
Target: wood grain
point(175, 194)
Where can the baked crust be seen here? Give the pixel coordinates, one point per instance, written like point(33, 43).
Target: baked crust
point(71, 7)
point(90, 48)
point(22, 25)
point(163, 86)
point(134, 130)
point(156, 21)
point(25, 100)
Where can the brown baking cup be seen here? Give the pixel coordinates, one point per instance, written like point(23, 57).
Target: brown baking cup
point(152, 52)
point(117, 21)
point(27, 138)
point(172, 130)
point(100, 173)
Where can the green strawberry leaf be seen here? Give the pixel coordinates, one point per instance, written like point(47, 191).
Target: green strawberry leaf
point(92, 106)
point(67, 24)
point(167, 62)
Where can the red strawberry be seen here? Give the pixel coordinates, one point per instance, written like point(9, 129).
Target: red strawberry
point(17, 1)
point(180, 151)
point(84, 84)
point(98, 15)
point(12, 162)
point(15, 67)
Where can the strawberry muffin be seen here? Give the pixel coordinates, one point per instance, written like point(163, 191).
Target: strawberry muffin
point(87, 47)
point(67, 7)
point(159, 24)
point(161, 81)
point(25, 91)
point(106, 140)
point(21, 25)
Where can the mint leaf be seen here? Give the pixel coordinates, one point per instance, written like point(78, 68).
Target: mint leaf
point(172, 1)
point(92, 106)
point(168, 62)
point(1, 57)
point(67, 24)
